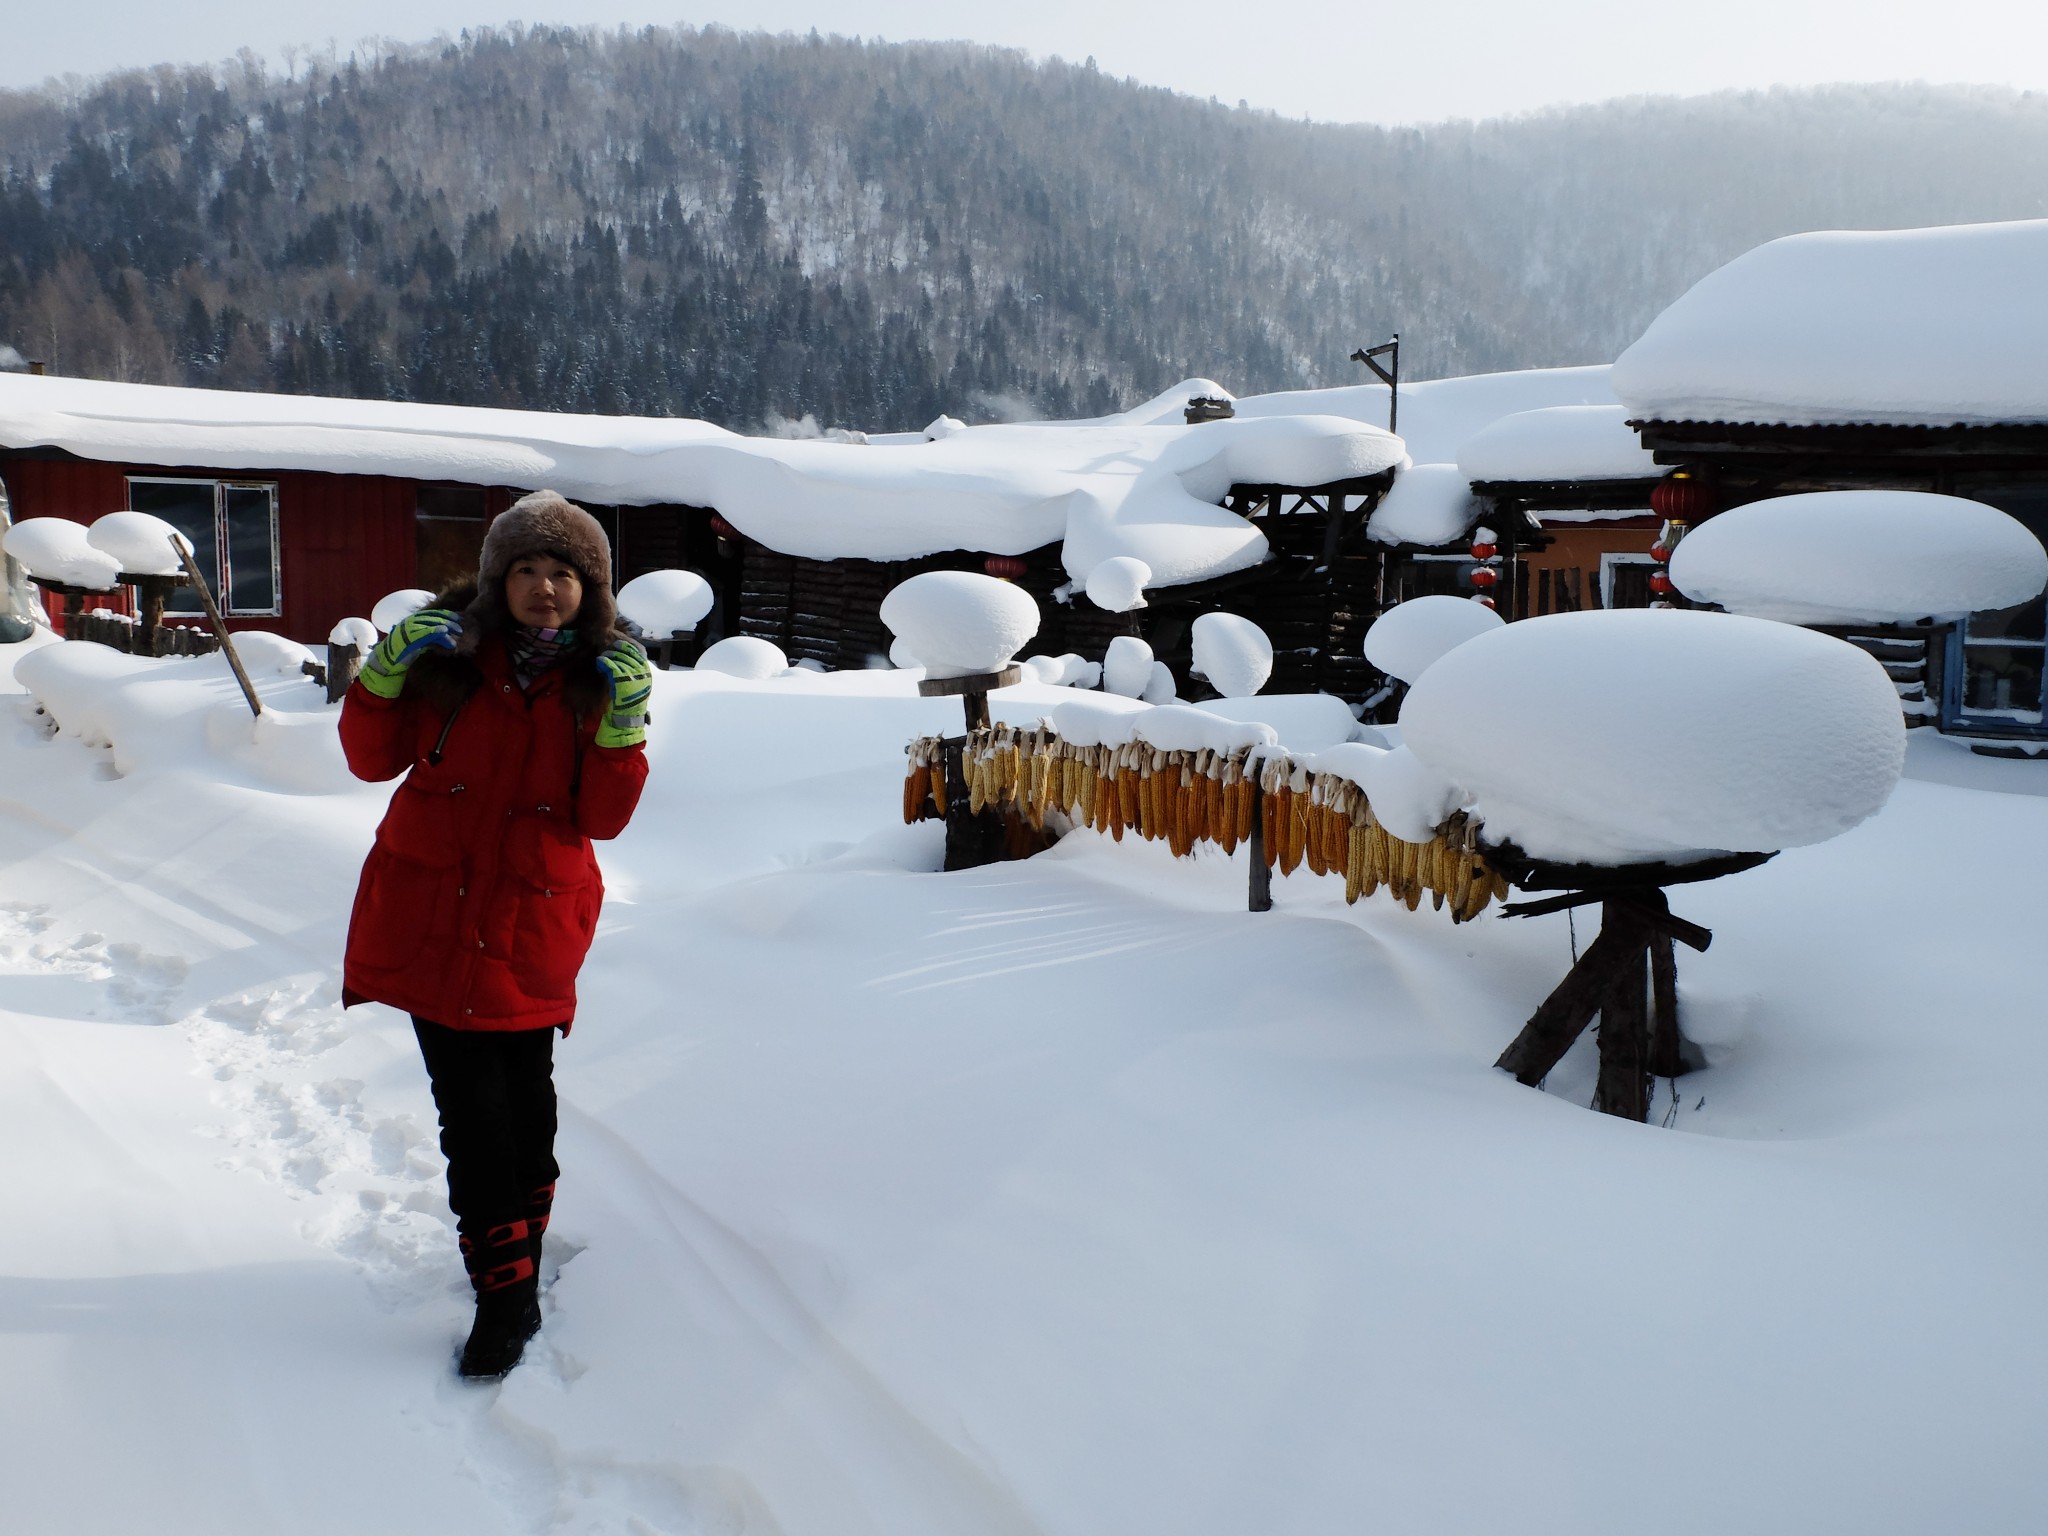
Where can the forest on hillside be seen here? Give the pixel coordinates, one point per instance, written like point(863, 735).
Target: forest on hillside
point(758, 230)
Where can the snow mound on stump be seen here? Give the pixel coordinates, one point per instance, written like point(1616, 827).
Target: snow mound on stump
point(395, 607)
point(744, 656)
point(55, 548)
point(1409, 636)
point(263, 652)
point(360, 633)
point(1118, 584)
point(1126, 666)
point(663, 603)
point(1233, 653)
point(960, 623)
point(1616, 736)
point(140, 543)
point(1860, 557)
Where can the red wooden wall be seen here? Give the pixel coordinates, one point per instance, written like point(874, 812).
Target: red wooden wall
point(344, 540)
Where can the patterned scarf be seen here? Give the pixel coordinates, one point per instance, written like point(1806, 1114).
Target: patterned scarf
point(534, 651)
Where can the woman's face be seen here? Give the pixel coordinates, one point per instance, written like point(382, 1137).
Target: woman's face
point(543, 592)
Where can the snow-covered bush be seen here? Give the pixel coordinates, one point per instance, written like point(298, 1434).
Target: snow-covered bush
point(1118, 584)
point(139, 542)
point(1860, 557)
point(1615, 736)
point(1405, 639)
point(745, 656)
point(960, 623)
point(1233, 653)
point(664, 603)
point(1127, 666)
point(56, 549)
point(395, 606)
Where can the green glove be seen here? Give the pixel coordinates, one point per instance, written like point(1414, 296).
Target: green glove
point(632, 680)
point(431, 629)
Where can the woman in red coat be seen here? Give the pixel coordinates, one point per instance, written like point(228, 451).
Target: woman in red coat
point(516, 711)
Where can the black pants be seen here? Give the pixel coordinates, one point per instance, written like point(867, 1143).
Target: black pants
point(495, 1091)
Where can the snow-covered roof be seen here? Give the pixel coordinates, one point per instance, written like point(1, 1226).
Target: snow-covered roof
point(1438, 416)
point(1429, 504)
point(1116, 486)
point(1559, 442)
point(1925, 327)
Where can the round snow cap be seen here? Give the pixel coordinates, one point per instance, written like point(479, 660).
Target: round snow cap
point(960, 623)
point(1127, 666)
point(360, 633)
point(139, 541)
point(1409, 636)
point(1860, 557)
point(1161, 688)
point(900, 656)
point(1611, 737)
point(56, 549)
point(1118, 583)
point(664, 603)
point(396, 606)
point(744, 656)
point(1233, 653)
point(264, 653)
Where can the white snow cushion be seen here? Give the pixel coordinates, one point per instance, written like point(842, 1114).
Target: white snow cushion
point(1405, 639)
point(1186, 728)
point(395, 607)
point(360, 633)
point(745, 656)
point(1118, 583)
point(960, 623)
point(664, 603)
point(1429, 504)
point(263, 652)
point(1126, 666)
point(56, 549)
point(1410, 798)
point(140, 542)
point(1104, 720)
point(1860, 557)
point(1618, 736)
point(1233, 653)
point(1162, 689)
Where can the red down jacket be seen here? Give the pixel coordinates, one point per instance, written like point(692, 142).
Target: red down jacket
point(478, 902)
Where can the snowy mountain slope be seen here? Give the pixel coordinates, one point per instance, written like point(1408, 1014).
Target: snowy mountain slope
point(1060, 1197)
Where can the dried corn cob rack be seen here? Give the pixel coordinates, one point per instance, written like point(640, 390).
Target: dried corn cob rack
point(1184, 798)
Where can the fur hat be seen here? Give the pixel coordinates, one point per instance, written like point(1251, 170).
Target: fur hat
point(545, 523)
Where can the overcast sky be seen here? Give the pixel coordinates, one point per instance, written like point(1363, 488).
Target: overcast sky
point(1414, 61)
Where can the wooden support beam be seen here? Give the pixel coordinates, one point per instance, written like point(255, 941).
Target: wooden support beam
point(1624, 1087)
point(1261, 892)
point(1563, 1016)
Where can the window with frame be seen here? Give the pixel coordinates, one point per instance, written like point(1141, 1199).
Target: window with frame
point(232, 526)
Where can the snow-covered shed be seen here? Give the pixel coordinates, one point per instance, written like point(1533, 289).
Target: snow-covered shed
point(306, 510)
point(1850, 360)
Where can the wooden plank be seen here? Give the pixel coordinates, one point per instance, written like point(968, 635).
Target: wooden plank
point(1624, 1087)
point(1563, 1016)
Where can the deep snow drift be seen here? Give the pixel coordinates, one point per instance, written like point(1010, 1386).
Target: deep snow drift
point(1060, 1197)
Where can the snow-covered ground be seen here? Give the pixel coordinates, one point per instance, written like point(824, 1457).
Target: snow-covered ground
point(1060, 1197)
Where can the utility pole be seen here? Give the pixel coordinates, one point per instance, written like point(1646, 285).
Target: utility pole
point(1390, 376)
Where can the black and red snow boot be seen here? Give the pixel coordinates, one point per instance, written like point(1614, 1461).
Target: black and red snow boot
point(507, 1280)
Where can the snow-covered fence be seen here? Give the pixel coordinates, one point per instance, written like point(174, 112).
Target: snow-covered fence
point(1289, 813)
point(135, 637)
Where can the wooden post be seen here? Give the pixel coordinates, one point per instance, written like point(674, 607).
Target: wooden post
point(220, 627)
point(343, 663)
point(973, 838)
point(1563, 1016)
point(1261, 884)
point(1624, 1086)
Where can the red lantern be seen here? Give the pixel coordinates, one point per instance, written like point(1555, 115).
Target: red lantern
point(1483, 551)
point(1660, 582)
point(1484, 576)
point(1008, 567)
point(1483, 600)
point(1660, 554)
point(1682, 497)
point(722, 528)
